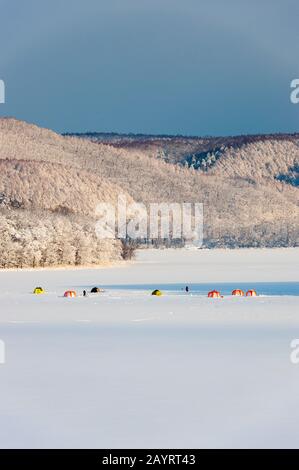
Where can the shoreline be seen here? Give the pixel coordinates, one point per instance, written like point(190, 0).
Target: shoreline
point(135, 260)
point(68, 267)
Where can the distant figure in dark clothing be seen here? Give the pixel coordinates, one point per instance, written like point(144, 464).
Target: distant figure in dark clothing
point(84, 293)
point(187, 289)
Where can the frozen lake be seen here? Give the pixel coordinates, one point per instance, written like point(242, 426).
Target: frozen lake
point(124, 369)
point(262, 288)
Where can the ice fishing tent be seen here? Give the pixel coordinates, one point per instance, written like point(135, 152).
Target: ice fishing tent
point(157, 292)
point(214, 294)
point(38, 290)
point(96, 290)
point(251, 293)
point(70, 293)
point(238, 293)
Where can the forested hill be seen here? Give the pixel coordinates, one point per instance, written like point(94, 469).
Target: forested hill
point(50, 185)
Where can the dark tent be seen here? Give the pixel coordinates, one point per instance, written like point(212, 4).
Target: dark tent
point(96, 290)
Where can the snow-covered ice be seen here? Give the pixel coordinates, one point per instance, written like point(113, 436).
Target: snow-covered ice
point(125, 369)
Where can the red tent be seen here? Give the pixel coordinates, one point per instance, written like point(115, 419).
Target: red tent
point(70, 293)
point(214, 294)
point(238, 292)
point(251, 293)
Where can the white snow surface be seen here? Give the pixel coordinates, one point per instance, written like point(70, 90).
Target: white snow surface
point(123, 369)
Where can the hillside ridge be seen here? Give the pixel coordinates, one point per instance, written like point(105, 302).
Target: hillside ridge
point(249, 186)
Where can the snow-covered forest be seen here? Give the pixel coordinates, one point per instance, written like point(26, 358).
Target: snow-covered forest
point(50, 186)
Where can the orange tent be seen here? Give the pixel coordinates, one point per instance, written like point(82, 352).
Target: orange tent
point(70, 293)
point(238, 292)
point(251, 293)
point(214, 294)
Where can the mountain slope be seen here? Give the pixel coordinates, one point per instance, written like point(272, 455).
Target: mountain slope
point(42, 185)
point(248, 188)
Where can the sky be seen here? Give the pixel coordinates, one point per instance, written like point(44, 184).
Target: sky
point(193, 67)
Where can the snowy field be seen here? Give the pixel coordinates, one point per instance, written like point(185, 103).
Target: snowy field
point(125, 369)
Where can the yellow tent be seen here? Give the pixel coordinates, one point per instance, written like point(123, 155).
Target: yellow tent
point(38, 290)
point(157, 292)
